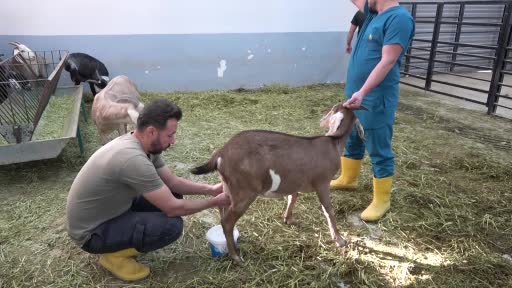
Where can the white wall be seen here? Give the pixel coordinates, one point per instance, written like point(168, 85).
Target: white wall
point(122, 17)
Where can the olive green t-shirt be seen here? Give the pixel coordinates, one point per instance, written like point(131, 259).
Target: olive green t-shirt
point(108, 183)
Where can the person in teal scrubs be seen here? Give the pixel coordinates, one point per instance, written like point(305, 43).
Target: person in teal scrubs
point(373, 82)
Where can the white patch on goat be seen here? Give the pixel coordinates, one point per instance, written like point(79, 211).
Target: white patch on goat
point(133, 115)
point(72, 64)
point(140, 107)
point(221, 68)
point(335, 122)
point(219, 160)
point(105, 78)
point(250, 57)
point(14, 84)
point(276, 181)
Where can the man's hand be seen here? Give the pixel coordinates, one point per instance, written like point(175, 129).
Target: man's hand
point(355, 101)
point(222, 200)
point(215, 189)
point(348, 49)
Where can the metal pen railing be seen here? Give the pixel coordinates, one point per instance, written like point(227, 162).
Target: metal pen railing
point(457, 37)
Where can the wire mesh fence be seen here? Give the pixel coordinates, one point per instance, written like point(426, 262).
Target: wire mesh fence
point(27, 80)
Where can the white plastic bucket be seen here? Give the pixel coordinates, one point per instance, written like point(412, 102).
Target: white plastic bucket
point(217, 240)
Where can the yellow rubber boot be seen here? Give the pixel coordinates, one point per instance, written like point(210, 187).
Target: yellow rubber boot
point(381, 199)
point(123, 266)
point(350, 169)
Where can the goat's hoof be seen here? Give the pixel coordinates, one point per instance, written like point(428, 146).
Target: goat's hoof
point(238, 261)
point(340, 242)
point(289, 221)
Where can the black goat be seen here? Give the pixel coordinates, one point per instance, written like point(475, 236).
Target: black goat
point(85, 68)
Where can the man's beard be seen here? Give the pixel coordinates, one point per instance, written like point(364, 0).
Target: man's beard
point(157, 148)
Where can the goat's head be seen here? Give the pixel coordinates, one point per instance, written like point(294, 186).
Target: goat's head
point(134, 112)
point(339, 121)
point(100, 84)
point(25, 52)
point(103, 82)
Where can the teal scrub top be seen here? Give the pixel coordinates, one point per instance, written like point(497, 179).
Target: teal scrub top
point(393, 26)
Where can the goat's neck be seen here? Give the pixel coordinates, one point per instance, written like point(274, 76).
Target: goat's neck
point(339, 142)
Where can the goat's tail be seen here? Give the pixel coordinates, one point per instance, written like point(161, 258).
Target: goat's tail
point(206, 168)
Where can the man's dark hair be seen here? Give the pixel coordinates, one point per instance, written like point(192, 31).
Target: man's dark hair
point(157, 113)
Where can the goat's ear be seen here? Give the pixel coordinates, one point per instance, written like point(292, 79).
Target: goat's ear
point(334, 123)
point(360, 130)
point(324, 122)
point(134, 115)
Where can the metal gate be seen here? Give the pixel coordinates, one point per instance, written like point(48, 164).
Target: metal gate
point(462, 49)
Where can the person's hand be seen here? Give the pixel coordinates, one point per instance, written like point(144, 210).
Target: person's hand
point(222, 200)
point(216, 189)
point(355, 101)
point(348, 49)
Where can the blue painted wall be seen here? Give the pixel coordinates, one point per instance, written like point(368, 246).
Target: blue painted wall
point(167, 45)
point(191, 62)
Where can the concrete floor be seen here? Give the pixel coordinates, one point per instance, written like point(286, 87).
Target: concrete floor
point(479, 96)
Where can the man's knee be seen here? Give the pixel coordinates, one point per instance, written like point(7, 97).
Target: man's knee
point(174, 229)
point(161, 235)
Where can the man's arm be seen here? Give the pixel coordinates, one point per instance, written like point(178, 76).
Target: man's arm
point(172, 207)
point(350, 36)
point(390, 54)
point(359, 4)
point(186, 187)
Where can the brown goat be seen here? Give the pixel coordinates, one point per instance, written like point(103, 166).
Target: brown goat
point(272, 164)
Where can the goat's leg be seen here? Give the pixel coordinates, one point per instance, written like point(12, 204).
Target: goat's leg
point(93, 90)
point(122, 129)
point(324, 196)
point(225, 189)
point(229, 219)
point(287, 216)
point(103, 137)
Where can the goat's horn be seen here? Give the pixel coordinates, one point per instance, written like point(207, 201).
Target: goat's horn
point(93, 81)
point(14, 44)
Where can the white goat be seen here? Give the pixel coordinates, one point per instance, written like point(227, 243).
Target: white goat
point(116, 106)
point(36, 63)
point(271, 164)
